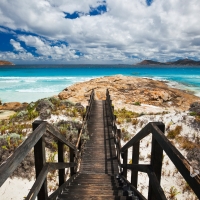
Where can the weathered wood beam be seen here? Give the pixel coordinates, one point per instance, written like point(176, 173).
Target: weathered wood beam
point(36, 188)
point(177, 158)
point(156, 161)
point(135, 160)
point(40, 161)
point(7, 168)
point(61, 172)
point(136, 192)
point(158, 192)
point(55, 132)
point(139, 136)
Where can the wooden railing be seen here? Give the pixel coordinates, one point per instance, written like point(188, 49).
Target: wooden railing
point(36, 141)
point(159, 143)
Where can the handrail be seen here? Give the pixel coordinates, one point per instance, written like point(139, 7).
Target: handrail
point(42, 176)
point(159, 143)
point(36, 140)
point(86, 117)
point(20, 153)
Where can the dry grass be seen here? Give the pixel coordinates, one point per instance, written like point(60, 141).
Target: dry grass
point(135, 122)
point(186, 144)
point(174, 133)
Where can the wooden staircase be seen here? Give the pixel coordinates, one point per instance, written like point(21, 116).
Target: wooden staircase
point(97, 178)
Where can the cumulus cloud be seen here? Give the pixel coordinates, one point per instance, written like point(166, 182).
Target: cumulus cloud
point(46, 49)
point(17, 46)
point(128, 31)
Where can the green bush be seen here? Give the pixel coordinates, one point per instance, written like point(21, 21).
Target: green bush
point(137, 103)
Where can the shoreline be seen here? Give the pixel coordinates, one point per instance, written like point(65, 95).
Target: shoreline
point(39, 95)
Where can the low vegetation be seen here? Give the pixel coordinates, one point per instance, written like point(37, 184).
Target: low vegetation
point(124, 115)
point(14, 131)
point(173, 192)
point(174, 133)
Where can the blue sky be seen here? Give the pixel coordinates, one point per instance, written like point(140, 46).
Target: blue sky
point(103, 31)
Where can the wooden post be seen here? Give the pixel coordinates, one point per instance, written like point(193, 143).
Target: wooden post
point(118, 144)
point(71, 151)
point(87, 107)
point(156, 162)
point(125, 160)
point(40, 160)
point(135, 160)
point(80, 142)
point(61, 172)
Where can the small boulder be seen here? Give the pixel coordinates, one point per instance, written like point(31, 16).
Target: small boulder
point(44, 107)
point(79, 107)
point(195, 107)
point(15, 106)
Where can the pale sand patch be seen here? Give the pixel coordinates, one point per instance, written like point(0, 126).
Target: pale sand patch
point(15, 189)
point(5, 114)
point(170, 176)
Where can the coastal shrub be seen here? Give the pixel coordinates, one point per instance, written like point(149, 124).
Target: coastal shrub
point(173, 133)
point(173, 192)
point(51, 157)
point(124, 114)
point(126, 136)
point(74, 112)
point(186, 144)
point(119, 121)
point(134, 121)
point(137, 103)
point(55, 101)
point(128, 120)
point(83, 112)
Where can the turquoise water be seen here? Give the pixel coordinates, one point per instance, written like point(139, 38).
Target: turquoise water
point(29, 83)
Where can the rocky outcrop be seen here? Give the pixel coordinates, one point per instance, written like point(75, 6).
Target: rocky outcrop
point(128, 90)
point(15, 106)
point(4, 62)
point(44, 107)
point(195, 107)
point(178, 62)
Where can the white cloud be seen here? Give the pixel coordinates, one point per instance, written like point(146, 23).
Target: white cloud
point(163, 30)
point(46, 50)
point(17, 46)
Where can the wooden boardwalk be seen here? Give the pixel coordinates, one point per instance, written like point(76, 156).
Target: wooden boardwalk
point(99, 165)
point(99, 153)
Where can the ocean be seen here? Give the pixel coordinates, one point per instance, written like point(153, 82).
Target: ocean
point(26, 83)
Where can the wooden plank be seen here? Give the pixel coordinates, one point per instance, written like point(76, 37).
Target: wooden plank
point(137, 167)
point(125, 160)
point(139, 136)
point(156, 162)
point(135, 160)
point(61, 172)
point(36, 188)
point(71, 151)
point(55, 132)
point(7, 168)
point(40, 161)
point(158, 191)
point(177, 158)
point(141, 197)
point(38, 184)
point(62, 165)
point(55, 194)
